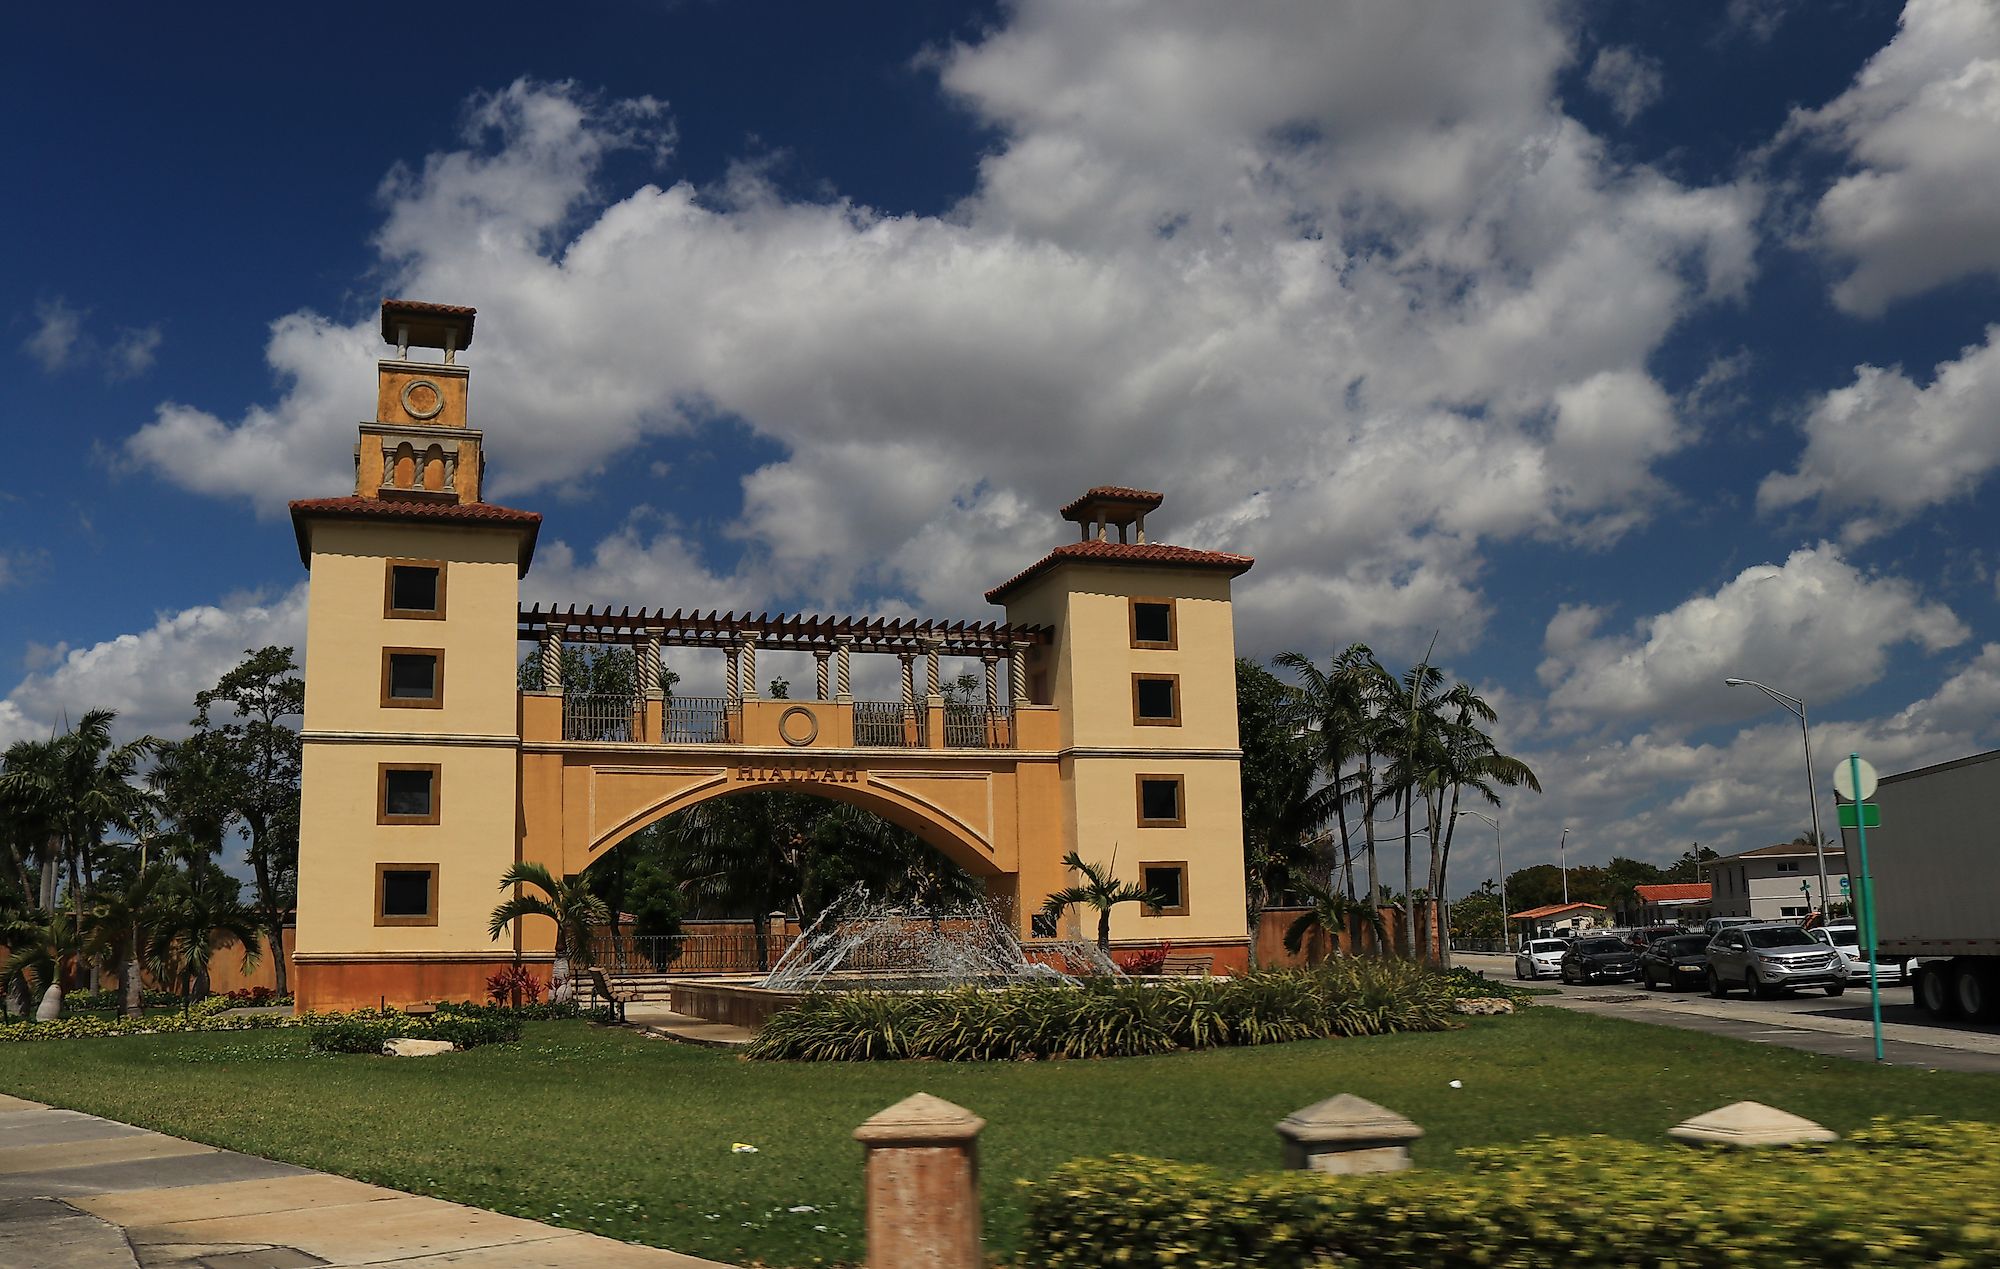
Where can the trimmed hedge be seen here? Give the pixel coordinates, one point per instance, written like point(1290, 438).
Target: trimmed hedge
point(210, 1015)
point(368, 1032)
point(1908, 1193)
point(1106, 1017)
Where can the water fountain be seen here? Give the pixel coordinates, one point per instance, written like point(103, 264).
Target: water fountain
point(860, 944)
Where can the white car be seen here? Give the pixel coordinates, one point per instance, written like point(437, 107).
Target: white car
point(1845, 938)
point(1540, 958)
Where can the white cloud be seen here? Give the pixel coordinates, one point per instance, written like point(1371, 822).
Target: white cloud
point(1921, 206)
point(1342, 280)
point(1884, 448)
point(150, 678)
point(133, 354)
point(61, 342)
point(58, 328)
point(1628, 80)
point(1815, 627)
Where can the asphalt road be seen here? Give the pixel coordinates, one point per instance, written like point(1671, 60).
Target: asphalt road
point(1837, 1026)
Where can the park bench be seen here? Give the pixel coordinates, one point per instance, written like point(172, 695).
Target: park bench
point(1188, 964)
point(600, 986)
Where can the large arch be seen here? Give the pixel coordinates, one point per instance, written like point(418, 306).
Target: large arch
point(935, 826)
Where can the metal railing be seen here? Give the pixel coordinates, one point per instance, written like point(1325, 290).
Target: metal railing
point(891, 724)
point(702, 720)
point(600, 718)
point(977, 727)
point(692, 952)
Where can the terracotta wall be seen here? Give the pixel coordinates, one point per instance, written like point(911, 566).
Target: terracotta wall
point(1273, 922)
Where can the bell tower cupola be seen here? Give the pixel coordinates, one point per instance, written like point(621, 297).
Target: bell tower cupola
point(419, 447)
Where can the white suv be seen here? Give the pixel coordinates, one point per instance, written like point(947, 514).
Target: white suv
point(1770, 958)
point(1843, 937)
point(1540, 958)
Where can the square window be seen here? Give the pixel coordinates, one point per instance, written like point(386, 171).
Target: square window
point(413, 678)
point(1153, 623)
point(1041, 926)
point(415, 589)
point(407, 793)
point(1169, 881)
point(406, 894)
point(1156, 700)
point(1160, 802)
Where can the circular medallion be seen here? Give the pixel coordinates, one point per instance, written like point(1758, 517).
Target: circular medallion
point(798, 726)
point(422, 399)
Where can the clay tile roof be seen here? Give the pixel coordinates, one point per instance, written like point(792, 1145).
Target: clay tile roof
point(475, 514)
point(1672, 891)
point(1135, 498)
point(1550, 910)
point(420, 309)
point(1146, 555)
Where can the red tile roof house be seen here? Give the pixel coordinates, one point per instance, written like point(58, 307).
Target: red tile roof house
point(1561, 916)
point(1673, 902)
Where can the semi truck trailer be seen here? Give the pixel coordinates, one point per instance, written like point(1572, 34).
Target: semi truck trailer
point(1936, 863)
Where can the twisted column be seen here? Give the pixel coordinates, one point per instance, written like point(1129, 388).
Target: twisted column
point(729, 675)
point(909, 660)
point(932, 647)
point(749, 680)
point(552, 659)
point(820, 658)
point(843, 652)
point(992, 665)
point(651, 668)
point(1017, 672)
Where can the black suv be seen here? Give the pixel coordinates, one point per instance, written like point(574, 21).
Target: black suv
point(1599, 959)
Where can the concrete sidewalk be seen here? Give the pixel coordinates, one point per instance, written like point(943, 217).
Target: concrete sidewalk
point(79, 1192)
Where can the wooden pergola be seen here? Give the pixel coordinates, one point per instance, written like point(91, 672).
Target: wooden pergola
point(831, 640)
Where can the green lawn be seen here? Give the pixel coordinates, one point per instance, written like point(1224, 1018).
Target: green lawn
point(607, 1131)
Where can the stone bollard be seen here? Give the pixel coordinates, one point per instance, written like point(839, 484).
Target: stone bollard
point(1749, 1124)
point(922, 1186)
point(1345, 1135)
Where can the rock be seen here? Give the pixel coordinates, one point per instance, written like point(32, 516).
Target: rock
point(405, 1047)
point(1749, 1124)
point(1482, 1005)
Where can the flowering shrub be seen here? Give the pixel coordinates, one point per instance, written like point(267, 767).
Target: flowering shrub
point(1589, 1202)
point(1142, 960)
point(256, 996)
point(511, 983)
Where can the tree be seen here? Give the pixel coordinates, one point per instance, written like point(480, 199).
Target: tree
point(38, 949)
point(1333, 912)
point(258, 756)
point(119, 923)
point(201, 912)
point(1277, 773)
point(1623, 877)
point(569, 903)
point(70, 788)
point(1099, 891)
point(1478, 915)
point(1689, 866)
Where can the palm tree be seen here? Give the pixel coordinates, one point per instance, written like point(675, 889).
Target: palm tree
point(1101, 891)
point(201, 912)
point(76, 785)
point(119, 923)
point(1329, 910)
point(1468, 759)
point(570, 903)
point(40, 947)
point(1345, 708)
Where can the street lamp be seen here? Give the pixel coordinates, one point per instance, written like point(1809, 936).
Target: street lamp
point(1798, 707)
point(1500, 860)
point(1562, 853)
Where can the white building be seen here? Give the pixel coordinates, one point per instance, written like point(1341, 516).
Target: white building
point(1774, 883)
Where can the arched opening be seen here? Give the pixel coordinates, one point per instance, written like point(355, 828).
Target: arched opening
point(721, 882)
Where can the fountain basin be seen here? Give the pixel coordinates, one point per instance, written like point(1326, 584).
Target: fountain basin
point(742, 1000)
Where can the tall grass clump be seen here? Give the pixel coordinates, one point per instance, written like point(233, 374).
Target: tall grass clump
point(1111, 1017)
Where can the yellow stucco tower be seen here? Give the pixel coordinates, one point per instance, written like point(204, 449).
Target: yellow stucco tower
point(409, 808)
point(1141, 669)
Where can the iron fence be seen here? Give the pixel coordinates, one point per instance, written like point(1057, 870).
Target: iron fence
point(691, 952)
point(977, 727)
point(891, 724)
point(702, 720)
point(600, 717)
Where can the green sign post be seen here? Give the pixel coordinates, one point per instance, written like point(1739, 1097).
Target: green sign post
point(1853, 783)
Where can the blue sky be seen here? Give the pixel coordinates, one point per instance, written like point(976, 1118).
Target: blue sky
point(1622, 347)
